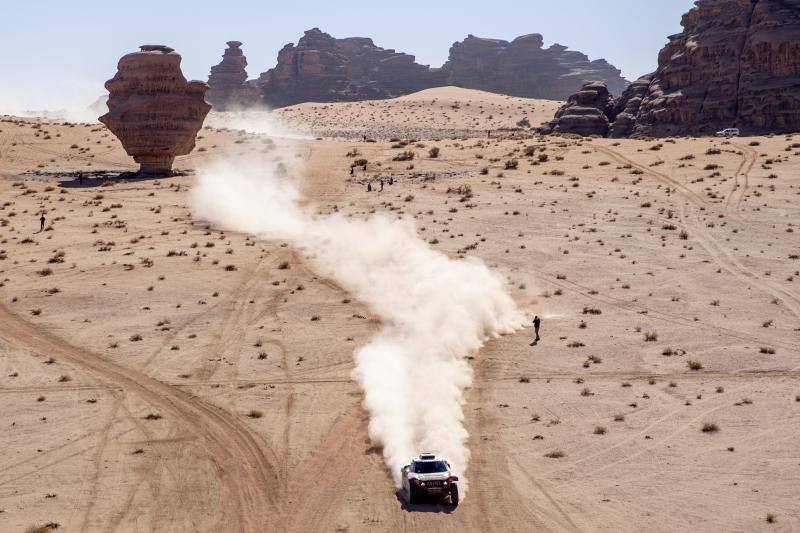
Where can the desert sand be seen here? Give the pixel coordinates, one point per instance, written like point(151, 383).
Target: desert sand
point(158, 374)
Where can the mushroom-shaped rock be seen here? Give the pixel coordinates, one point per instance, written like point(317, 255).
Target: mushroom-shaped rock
point(153, 110)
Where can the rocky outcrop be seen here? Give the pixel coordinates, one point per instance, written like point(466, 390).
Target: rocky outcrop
point(153, 110)
point(227, 84)
point(321, 68)
point(736, 64)
point(626, 107)
point(587, 112)
point(316, 70)
point(385, 72)
point(523, 67)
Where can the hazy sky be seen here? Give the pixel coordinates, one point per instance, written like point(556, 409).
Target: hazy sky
point(58, 53)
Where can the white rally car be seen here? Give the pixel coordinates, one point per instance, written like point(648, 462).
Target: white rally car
point(431, 477)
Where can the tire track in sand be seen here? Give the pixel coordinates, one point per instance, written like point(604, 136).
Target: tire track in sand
point(734, 202)
point(718, 253)
point(244, 466)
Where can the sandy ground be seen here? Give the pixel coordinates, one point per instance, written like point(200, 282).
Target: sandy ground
point(148, 385)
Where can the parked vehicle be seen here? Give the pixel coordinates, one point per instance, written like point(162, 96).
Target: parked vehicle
point(728, 132)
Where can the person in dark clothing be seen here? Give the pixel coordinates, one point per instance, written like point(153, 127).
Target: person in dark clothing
point(381, 184)
point(369, 187)
point(41, 222)
point(536, 323)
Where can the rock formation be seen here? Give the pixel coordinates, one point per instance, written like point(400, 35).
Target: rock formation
point(321, 68)
point(316, 70)
point(736, 64)
point(227, 84)
point(524, 68)
point(386, 72)
point(626, 107)
point(587, 112)
point(153, 110)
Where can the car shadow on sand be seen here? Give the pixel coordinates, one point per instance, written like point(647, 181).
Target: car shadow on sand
point(431, 505)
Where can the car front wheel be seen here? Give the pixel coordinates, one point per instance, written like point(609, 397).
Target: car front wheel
point(454, 494)
point(412, 494)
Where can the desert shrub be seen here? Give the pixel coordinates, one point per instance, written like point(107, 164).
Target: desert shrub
point(406, 155)
point(694, 365)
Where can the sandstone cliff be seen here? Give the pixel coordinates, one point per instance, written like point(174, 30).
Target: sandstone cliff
point(321, 68)
point(736, 64)
point(524, 68)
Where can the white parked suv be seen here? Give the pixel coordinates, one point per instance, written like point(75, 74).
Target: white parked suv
point(430, 476)
point(728, 132)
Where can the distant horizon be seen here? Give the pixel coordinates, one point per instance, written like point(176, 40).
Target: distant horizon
point(76, 50)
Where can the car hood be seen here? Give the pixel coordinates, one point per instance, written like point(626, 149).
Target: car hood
point(426, 477)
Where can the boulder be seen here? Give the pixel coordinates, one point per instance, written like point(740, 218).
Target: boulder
point(227, 84)
point(153, 110)
point(587, 112)
point(626, 107)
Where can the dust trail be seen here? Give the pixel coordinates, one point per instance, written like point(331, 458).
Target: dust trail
point(258, 121)
point(435, 310)
point(75, 101)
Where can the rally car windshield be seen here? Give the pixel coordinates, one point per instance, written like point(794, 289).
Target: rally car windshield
point(429, 467)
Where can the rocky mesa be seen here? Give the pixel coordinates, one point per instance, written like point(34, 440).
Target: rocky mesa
point(322, 68)
point(523, 67)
